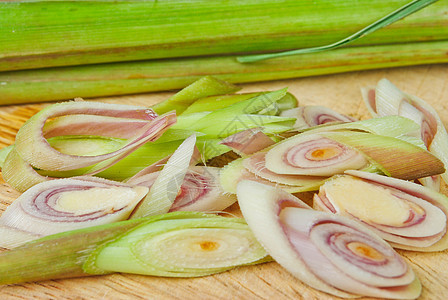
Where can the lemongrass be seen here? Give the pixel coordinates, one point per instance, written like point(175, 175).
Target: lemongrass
point(313, 154)
point(330, 253)
point(405, 10)
point(256, 164)
point(148, 76)
point(393, 156)
point(314, 115)
point(89, 41)
point(199, 191)
point(248, 141)
point(235, 171)
point(70, 203)
point(32, 150)
point(179, 244)
point(387, 99)
point(168, 183)
point(406, 214)
point(204, 87)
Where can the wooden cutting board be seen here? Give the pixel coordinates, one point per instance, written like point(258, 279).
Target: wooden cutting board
point(267, 281)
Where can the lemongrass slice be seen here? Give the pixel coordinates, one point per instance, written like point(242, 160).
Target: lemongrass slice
point(248, 141)
point(313, 154)
point(12, 237)
point(71, 203)
point(389, 100)
point(406, 214)
point(314, 115)
point(32, 149)
point(167, 185)
point(234, 172)
point(35, 149)
point(178, 244)
point(331, 253)
point(396, 157)
point(200, 190)
point(256, 164)
point(183, 248)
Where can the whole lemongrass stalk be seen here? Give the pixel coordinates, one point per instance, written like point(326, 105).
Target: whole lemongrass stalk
point(173, 47)
point(158, 75)
point(35, 34)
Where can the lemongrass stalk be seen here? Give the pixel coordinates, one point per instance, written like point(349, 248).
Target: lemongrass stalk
point(148, 76)
point(159, 242)
point(96, 31)
point(402, 12)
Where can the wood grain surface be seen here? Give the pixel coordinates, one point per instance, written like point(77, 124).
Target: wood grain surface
point(267, 281)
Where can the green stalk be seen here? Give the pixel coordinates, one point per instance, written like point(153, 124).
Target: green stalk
point(148, 76)
point(143, 246)
point(402, 12)
point(36, 34)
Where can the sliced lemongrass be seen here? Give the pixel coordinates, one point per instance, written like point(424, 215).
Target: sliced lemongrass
point(256, 164)
point(313, 154)
point(226, 125)
point(71, 203)
point(211, 148)
point(19, 174)
point(394, 126)
point(393, 156)
point(248, 141)
point(167, 185)
point(182, 247)
point(82, 145)
point(427, 210)
point(330, 253)
point(250, 106)
point(203, 87)
point(84, 124)
point(369, 98)
point(62, 255)
point(3, 153)
point(35, 149)
point(234, 172)
point(314, 115)
point(12, 237)
point(391, 100)
point(200, 190)
point(212, 103)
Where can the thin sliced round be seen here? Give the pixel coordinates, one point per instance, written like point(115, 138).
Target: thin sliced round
point(234, 172)
point(389, 100)
point(406, 214)
point(313, 154)
point(34, 151)
point(71, 203)
point(200, 190)
point(248, 141)
point(184, 247)
point(314, 115)
point(256, 164)
point(331, 253)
